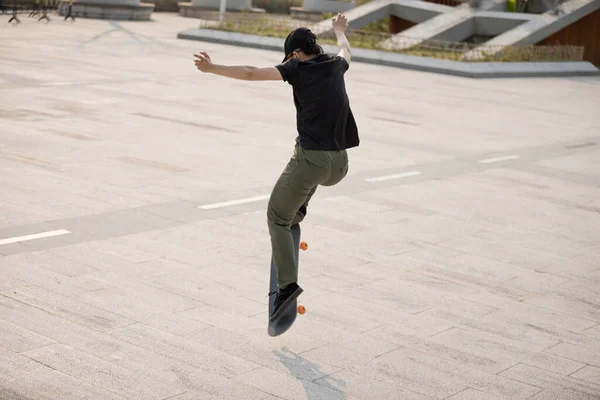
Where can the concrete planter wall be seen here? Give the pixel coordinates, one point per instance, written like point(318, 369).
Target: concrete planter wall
point(132, 10)
point(326, 6)
point(232, 5)
point(133, 3)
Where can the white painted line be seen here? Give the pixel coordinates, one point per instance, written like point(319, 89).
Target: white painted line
point(34, 236)
point(234, 202)
point(395, 176)
point(498, 159)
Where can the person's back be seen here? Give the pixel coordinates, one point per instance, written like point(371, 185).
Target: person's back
point(324, 119)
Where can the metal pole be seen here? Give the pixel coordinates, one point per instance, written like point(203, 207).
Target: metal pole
point(222, 10)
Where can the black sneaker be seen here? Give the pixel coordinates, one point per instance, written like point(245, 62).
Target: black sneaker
point(284, 298)
point(300, 214)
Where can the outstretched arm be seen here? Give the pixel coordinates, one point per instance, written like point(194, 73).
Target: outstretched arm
point(340, 24)
point(243, 72)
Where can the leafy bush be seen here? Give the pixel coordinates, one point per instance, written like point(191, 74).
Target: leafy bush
point(377, 40)
point(277, 6)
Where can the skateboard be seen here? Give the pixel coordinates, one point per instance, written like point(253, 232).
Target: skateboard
point(286, 320)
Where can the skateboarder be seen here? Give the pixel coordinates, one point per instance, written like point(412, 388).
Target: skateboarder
point(326, 128)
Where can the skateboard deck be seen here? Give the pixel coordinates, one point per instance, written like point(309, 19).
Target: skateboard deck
point(286, 320)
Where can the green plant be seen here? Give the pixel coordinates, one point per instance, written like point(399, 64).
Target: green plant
point(276, 6)
point(375, 40)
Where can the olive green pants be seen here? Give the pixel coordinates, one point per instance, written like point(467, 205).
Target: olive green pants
point(306, 170)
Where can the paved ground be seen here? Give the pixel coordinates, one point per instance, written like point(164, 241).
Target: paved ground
point(459, 260)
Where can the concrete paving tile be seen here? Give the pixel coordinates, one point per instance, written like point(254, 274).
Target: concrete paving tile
point(60, 329)
point(50, 385)
point(320, 331)
point(7, 302)
point(439, 347)
point(226, 317)
point(505, 252)
point(417, 324)
point(588, 373)
point(10, 394)
point(554, 244)
point(127, 285)
point(514, 275)
point(83, 253)
point(26, 379)
point(116, 247)
point(594, 330)
point(191, 395)
point(570, 269)
point(423, 253)
point(396, 204)
point(579, 286)
point(213, 294)
point(544, 326)
point(50, 261)
point(123, 305)
point(578, 304)
point(13, 362)
point(524, 311)
point(67, 308)
point(191, 352)
point(435, 228)
point(472, 394)
point(582, 164)
point(179, 211)
point(485, 345)
point(421, 379)
point(13, 248)
point(442, 377)
point(105, 375)
point(590, 255)
point(105, 225)
point(178, 374)
point(340, 357)
point(393, 296)
point(247, 280)
point(562, 393)
point(533, 338)
point(289, 387)
point(585, 354)
point(175, 323)
point(554, 385)
point(471, 280)
point(9, 281)
point(20, 339)
point(366, 388)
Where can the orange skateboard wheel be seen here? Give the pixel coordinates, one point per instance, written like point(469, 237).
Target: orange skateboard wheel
point(303, 245)
point(301, 309)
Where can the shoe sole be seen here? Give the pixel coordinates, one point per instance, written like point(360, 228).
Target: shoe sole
point(286, 304)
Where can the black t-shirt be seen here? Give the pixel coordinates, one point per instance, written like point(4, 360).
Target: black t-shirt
point(323, 116)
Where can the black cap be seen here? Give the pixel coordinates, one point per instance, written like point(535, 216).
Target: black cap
point(295, 40)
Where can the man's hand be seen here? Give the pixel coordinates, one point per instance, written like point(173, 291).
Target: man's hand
point(244, 72)
point(340, 23)
point(203, 62)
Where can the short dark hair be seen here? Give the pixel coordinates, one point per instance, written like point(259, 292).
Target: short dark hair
point(301, 39)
